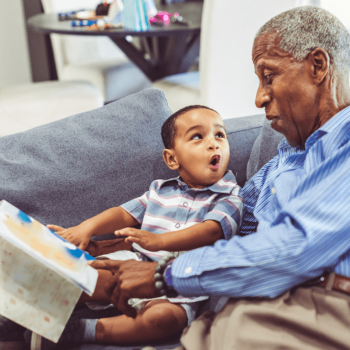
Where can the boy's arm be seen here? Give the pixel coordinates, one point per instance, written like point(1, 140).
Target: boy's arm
point(108, 221)
point(221, 222)
point(196, 236)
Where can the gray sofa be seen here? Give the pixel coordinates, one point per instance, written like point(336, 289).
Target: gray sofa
point(69, 170)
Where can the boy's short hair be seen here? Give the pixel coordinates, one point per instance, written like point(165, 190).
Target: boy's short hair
point(169, 128)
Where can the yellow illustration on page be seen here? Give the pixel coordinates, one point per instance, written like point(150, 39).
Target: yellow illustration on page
point(31, 234)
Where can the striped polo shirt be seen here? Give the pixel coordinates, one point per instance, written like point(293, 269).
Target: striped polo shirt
point(170, 205)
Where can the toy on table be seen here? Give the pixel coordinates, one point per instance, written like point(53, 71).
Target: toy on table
point(163, 18)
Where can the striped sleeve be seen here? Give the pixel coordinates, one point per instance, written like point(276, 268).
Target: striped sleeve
point(228, 211)
point(137, 207)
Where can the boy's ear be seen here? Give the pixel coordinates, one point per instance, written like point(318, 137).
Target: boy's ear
point(170, 159)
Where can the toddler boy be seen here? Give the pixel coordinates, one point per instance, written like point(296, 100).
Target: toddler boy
point(197, 208)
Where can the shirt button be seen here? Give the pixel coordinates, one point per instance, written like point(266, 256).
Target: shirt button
point(188, 270)
point(177, 225)
point(185, 204)
point(273, 190)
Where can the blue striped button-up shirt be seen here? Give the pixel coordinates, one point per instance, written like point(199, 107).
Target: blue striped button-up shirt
point(296, 223)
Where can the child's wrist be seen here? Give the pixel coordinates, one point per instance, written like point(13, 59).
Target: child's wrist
point(162, 243)
point(89, 228)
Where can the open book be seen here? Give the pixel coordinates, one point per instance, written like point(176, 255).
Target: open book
point(41, 274)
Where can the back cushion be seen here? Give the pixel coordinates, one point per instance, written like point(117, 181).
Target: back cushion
point(69, 170)
point(241, 134)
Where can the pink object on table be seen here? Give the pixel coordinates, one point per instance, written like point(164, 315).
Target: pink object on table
point(162, 17)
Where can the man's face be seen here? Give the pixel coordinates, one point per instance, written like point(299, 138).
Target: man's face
point(286, 90)
point(201, 147)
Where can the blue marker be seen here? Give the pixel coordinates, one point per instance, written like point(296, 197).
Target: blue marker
point(83, 23)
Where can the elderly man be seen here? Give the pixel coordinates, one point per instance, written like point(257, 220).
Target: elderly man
point(288, 276)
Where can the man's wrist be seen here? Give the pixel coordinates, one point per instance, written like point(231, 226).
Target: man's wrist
point(163, 276)
point(168, 277)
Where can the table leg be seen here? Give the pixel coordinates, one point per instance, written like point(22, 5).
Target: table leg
point(159, 57)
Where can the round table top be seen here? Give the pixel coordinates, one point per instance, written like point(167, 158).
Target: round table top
point(191, 11)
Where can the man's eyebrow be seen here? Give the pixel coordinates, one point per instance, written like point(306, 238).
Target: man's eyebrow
point(263, 63)
point(259, 66)
point(267, 65)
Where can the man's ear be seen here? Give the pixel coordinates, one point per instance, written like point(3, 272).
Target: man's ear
point(320, 61)
point(170, 159)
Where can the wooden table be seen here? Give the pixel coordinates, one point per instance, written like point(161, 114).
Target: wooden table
point(158, 52)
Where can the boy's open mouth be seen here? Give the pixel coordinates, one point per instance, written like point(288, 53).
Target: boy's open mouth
point(214, 162)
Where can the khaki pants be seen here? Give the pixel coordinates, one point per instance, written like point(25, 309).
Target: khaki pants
point(304, 319)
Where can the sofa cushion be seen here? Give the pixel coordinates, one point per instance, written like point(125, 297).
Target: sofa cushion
point(264, 148)
point(241, 134)
point(69, 170)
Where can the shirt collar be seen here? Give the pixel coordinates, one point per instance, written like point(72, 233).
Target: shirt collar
point(337, 120)
point(340, 118)
point(224, 185)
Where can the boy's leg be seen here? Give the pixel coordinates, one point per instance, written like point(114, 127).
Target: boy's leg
point(158, 320)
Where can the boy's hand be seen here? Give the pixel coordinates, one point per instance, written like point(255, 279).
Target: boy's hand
point(145, 239)
point(77, 235)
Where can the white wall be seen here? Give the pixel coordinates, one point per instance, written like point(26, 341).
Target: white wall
point(228, 81)
point(339, 8)
point(14, 56)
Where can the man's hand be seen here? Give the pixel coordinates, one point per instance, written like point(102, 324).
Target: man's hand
point(131, 279)
point(147, 240)
point(78, 235)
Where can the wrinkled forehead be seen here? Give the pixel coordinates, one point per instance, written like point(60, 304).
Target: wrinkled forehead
point(267, 45)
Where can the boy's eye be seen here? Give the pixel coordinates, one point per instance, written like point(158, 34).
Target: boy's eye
point(196, 137)
point(220, 134)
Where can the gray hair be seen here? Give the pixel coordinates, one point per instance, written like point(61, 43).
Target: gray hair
point(305, 28)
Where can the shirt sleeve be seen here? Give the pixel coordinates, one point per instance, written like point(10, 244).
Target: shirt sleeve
point(228, 211)
point(310, 234)
point(137, 207)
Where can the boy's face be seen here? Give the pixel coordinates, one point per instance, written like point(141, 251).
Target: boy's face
point(201, 147)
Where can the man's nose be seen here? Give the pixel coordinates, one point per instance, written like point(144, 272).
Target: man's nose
point(263, 97)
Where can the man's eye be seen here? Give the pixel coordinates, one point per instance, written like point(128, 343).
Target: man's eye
point(268, 79)
point(196, 137)
point(220, 134)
